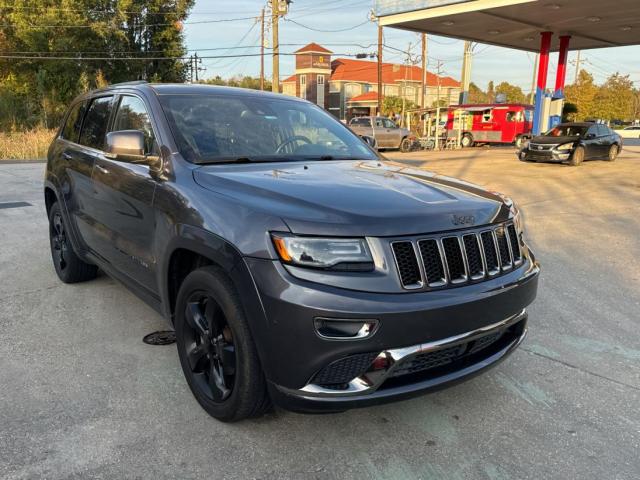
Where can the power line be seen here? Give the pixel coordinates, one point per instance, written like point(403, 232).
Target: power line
point(327, 31)
point(25, 57)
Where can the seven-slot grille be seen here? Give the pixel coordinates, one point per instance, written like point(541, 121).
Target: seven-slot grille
point(456, 259)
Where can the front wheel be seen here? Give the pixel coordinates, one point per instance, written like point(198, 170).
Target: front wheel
point(613, 153)
point(217, 353)
point(466, 141)
point(405, 145)
point(578, 157)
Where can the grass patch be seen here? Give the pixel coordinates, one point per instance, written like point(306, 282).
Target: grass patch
point(26, 145)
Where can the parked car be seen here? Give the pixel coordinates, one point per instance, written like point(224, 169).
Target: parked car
point(573, 143)
point(632, 131)
point(385, 131)
point(295, 265)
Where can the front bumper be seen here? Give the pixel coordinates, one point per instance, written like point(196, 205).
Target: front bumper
point(544, 156)
point(409, 324)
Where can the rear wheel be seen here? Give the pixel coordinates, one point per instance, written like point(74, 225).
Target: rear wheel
point(69, 267)
point(216, 351)
point(466, 141)
point(578, 157)
point(405, 145)
point(613, 153)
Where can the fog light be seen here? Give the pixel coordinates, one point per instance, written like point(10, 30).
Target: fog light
point(345, 329)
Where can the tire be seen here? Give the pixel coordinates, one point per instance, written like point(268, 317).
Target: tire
point(613, 153)
point(405, 145)
point(217, 354)
point(578, 157)
point(466, 141)
point(519, 142)
point(69, 267)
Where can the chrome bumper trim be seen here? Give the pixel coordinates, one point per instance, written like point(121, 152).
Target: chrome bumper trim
point(371, 381)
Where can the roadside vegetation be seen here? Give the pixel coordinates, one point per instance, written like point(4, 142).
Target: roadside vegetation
point(29, 144)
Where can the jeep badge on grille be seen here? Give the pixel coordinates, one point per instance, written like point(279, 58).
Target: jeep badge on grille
point(463, 219)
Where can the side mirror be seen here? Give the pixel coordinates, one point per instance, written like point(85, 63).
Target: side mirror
point(128, 146)
point(369, 141)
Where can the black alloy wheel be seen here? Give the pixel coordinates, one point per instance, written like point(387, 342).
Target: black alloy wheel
point(216, 349)
point(69, 267)
point(59, 245)
point(209, 347)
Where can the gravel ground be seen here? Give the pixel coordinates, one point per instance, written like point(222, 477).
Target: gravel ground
point(82, 397)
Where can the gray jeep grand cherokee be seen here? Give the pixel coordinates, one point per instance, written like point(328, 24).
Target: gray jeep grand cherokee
point(295, 265)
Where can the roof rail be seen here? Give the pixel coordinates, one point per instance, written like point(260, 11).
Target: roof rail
point(134, 82)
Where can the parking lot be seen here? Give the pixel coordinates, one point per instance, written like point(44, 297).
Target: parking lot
point(83, 397)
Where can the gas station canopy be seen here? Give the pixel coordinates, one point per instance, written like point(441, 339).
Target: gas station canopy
point(518, 23)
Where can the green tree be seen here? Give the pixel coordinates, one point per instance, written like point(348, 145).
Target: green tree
point(85, 28)
point(513, 93)
point(476, 94)
point(242, 82)
point(615, 99)
point(583, 95)
point(391, 104)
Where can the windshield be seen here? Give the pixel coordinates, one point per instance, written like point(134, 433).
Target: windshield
point(567, 131)
point(210, 128)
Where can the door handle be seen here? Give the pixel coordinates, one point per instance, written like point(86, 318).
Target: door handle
point(66, 156)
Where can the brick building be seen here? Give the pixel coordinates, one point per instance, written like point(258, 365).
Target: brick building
point(348, 87)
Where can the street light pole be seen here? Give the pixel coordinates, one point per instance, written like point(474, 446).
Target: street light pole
point(379, 68)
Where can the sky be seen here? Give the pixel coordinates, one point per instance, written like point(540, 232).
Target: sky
point(343, 27)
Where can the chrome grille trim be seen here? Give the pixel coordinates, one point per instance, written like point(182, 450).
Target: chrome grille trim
point(448, 263)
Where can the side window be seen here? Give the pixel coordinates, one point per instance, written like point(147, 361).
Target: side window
point(486, 116)
point(603, 131)
point(132, 115)
point(95, 123)
point(593, 130)
point(389, 124)
point(379, 122)
point(512, 117)
point(71, 130)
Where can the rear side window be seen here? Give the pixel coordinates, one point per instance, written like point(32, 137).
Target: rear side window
point(132, 115)
point(95, 123)
point(603, 130)
point(71, 130)
point(361, 122)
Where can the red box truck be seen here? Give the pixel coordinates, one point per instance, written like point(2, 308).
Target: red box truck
point(490, 123)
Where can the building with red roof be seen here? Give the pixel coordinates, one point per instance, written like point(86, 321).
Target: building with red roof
point(348, 87)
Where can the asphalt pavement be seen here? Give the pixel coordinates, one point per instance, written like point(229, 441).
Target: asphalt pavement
point(82, 397)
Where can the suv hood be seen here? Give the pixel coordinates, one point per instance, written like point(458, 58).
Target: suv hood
point(351, 198)
point(543, 140)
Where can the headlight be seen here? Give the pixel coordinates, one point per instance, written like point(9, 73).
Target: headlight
point(346, 254)
point(565, 147)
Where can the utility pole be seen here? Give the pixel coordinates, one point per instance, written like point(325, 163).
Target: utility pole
point(423, 89)
point(190, 68)
point(575, 78)
point(534, 80)
point(379, 68)
point(438, 73)
point(262, 50)
point(275, 12)
point(195, 65)
point(466, 72)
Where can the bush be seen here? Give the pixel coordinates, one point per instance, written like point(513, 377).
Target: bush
point(27, 145)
